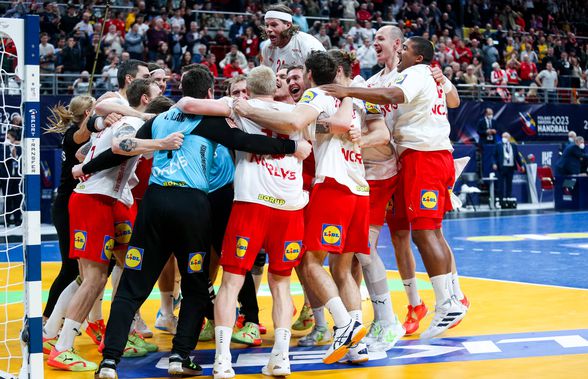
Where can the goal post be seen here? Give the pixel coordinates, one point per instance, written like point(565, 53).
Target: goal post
point(20, 273)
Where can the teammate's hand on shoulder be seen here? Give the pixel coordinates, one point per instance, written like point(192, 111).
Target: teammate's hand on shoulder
point(354, 135)
point(242, 107)
point(76, 171)
point(173, 142)
point(111, 119)
point(335, 90)
point(438, 75)
point(148, 116)
point(303, 149)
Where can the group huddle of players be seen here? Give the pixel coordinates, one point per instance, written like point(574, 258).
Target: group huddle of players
point(186, 187)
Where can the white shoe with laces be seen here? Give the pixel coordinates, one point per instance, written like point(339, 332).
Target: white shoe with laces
point(278, 365)
point(141, 327)
point(222, 368)
point(388, 336)
point(357, 354)
point(446, 315)
point(343, 338)
point(167, 323)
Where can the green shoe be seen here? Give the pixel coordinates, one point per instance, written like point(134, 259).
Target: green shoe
point(48, 344)
point(69, 360)
point(132, 351)
point(138, 341)
point(248, 334)
point(207, 333)
point(305, 319)
point(318, 335)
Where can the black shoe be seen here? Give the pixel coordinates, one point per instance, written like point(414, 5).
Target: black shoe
point(106, 370)
point(179, 366)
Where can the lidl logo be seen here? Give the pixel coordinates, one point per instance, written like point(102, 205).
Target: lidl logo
point(196, 262)
point(80, 238)
point(372, 108)
point(332, 235)
point(122, 232)
point(241, 248)
point(292, 250)
point(107, 248)
point(308, 96)
point(134, 258)
point(429, 200)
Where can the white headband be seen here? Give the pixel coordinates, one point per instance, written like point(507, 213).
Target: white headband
point(157, 69)
point(279, 15)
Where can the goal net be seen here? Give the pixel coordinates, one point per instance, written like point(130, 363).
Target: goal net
point(20, 252)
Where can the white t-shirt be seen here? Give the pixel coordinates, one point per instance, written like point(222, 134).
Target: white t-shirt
point(381, 162)
point(113, 182)
point(294, 53)
point(336, 157)
point(271, 180)
point(422, 122)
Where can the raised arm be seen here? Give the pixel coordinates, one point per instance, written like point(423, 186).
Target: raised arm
point(278, 121)
point(206, 107)
point(390, 95)
point(104, 108)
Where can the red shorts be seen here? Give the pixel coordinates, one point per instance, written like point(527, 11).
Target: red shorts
point(254, 226)
point(94, 223)
point(337, 220)
point(381, 191)
point(426, 180)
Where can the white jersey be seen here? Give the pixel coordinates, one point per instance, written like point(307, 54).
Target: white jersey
point(271, 180)
point(336, 157)
point(422, 122)
point(113, 182)
point(293, 54)
point(381, 162)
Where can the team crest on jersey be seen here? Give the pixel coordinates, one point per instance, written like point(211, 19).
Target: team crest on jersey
point(196, 262)
point(372, 108)
point(331, 235)
point(107, 248)
point(400, 79)
point(292, 250)
point(80, 239)
point(134, 258)
point(241, 248)
point(429, 200)
point(122, 232)
point(308, 96)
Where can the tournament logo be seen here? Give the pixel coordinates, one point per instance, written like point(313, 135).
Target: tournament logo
point(242, 244)
point(134, 258)
point(80, 238)
point(122, 232)
point(331, 235)
point(107, 249)
point(292, 250)
point(196, 262)
point(308, 96)
point(429, 200)
point(529, 124)
point(400, 79)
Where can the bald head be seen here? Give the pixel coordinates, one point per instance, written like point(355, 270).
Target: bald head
point(393, 32)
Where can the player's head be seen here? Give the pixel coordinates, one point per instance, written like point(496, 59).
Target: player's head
point(295, 82)
point(158, 75)
point(237, 87)
point(61, 117)
point(319, 69)
point(344, 60)
point(387, 43)
point(131, 70)
point(416, 50)
point(261, 81)
point(159, 104)
point(141, 91)
point(198, 82)
point(281, 85)
point(279, 28)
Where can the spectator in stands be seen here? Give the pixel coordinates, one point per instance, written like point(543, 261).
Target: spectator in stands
point(176, 43)
point(71, 58)
point(178, 20)
point(448, 24)
point(499, 79)
point(490, 56)
point(186, 60)
point(250, 44)
point(210, 62)
point(299, 19)
point(234, 53)
point(118, 21)
point(102, 85)
point(547, 79)
point(156, 35)
point(112, 71)
point(237, 30)
point(573, 156)
point(486, 128)
point(192, 37)
point(512, 75)
point(90, 54)
point(84, 24)
point(49, 18)
point(363, 14)
point(16, 10)
point(462, 53)
point(564, 70)
point(46, 55)
point(143, 27)
point(528, 70)
point(200, 55)
point(113, 40)
point(134, 43)
point(82, 84)
point(69, 20)
point(324, 38)
point(220, 38)
point(233, 69)
point(505, 160)
point(367, 57)
point(164, 54)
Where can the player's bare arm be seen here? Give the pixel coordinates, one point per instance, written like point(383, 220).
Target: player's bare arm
point(281, 122)
point(378, 134)
point(130, 145)
point(83, 151)
point(390, 95)
point(106, 107)
point(340, 122)
point(206, 107)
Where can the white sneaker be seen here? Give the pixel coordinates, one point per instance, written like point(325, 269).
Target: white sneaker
point(168, 323)
point(446, 315)
point(388, 336)
point(357, 354)
point(222, 368)
point(278, 365)
point(318, 335)
point(343, 338)
point(142, 328)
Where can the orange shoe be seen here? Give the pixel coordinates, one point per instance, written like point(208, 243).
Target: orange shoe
point(48, 344)
point(95, 331)
point(413, 317)
point(240, 321)
point(466, 303)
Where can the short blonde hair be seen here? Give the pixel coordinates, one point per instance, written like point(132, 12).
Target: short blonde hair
point(261, 81)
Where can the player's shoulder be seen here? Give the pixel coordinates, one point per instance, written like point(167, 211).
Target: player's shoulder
point(270, 105)
point(311, 94)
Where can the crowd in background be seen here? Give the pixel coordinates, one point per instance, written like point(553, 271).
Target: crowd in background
point(542, 43)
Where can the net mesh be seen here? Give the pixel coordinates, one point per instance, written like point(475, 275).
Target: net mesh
point(11, 241)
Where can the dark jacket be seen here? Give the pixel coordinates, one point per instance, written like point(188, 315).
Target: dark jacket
point(482, 131)
point(498, 156)
point(570, 162)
